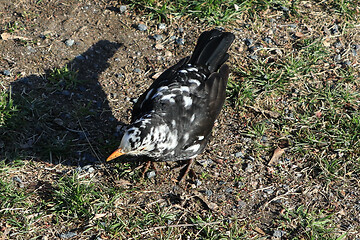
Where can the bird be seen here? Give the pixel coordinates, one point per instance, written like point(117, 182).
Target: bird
point(173, 119)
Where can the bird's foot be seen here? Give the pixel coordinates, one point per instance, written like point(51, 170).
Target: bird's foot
point(187, 170)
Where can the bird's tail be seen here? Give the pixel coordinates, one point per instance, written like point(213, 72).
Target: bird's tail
point(211, 49)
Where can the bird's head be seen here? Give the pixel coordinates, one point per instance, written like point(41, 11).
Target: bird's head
point(132, 143)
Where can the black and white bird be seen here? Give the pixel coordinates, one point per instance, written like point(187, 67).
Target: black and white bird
point(173, 119)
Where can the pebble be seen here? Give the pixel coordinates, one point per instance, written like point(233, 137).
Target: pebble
point(239, 184)
point(88, 168)
point(249, 168)
point(197, 182)
point(241, 204)
point(253, 57)
point(338, 44)
point(69, 42)
point(137, 70)
point(208, 192)
point(119, 75)
point(18, 180)
point(150, 174)
point(141, 27)
point(205, 162)
point(248, 41)
point(180, 41)
point(59, 121)
point(335, 29)
point(267, 40)
point(122, 8)
point(268, 191)
point(279, 233)
point(31, 49)
point(67, 235)
point(221, 182)
point(80, 57)
point(283, 8)
point(6, 72)
point(354, 53)
point(239, 155)
point(229, 190)
point(337, 58)
point(157, 37)
point(65, 92)
point(292, 25)
point(181, 30)
point(161, 26)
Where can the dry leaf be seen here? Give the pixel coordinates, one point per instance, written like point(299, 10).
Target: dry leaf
point(277, 154)
point(326, 42)
point(299, 34)
point(259, 230)
point(5, 36)
point(100, 215)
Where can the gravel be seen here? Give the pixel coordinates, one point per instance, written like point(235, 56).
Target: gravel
point(157, 37)
point(180, 41)
point(141, 27)
point(162, 26)
point(6, 73)
point(122, 8)
point(67, 235)
point(150, 174)
point(69, 42)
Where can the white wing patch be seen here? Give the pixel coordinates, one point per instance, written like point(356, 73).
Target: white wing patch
point(193, 148)
point(187, 101)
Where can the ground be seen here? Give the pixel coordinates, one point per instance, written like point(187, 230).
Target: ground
point(283, 161)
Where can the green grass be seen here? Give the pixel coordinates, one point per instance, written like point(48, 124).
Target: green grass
point(7, 107)
point(309, 224)
point(64, 78)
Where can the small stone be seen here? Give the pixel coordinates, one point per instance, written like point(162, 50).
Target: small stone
point(59, 121)
point(241, 204)
point(268, 191)
point(168, 54)
point(335, 29)
point(208, 192)
point(249, 168)
point(69, 42)
point(221, 182)
point(31, 49)
point(119, 75)
point(157, 37)
point(279, 234)
point(17, 179)
point(347, 63)
point(285, 9)
point(161, 26)
point(67, 235)
point(181, 30)
point(205, 162)
point(180, 41)
point(239, 155)
point(354, 53)
point(264, 138)
point(337, 45)
point(65, 92)
point(248, 41)
point(292, 25)
point(137, 70)
point(122, 8)
point(253, 57)
point(267, 40)
point(150, 174)
point(337, 58)
point(197, 182)
point(141, 27)
point(80, 57)
point(6, 72)
point(88, 168)
point(229, 190)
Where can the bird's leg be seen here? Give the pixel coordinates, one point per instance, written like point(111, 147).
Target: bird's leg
point(147, 166)
point(187, 169)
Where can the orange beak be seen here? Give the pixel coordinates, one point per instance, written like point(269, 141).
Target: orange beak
point(115, 154)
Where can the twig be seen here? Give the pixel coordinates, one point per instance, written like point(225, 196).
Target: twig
point(177, 226)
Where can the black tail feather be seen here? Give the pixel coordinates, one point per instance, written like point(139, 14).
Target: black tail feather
point(211, 48)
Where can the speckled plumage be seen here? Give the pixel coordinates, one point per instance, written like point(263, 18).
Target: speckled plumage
point(173, 119)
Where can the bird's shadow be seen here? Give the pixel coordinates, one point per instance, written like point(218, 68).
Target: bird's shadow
point(63, 116)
